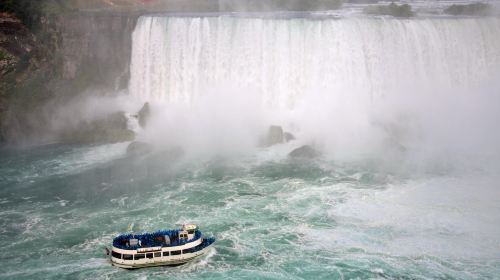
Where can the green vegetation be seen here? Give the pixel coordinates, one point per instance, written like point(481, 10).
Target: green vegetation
point(27, 11)
point(392, 9)
point(475, 9)
point(30, 11)
point(3, 54)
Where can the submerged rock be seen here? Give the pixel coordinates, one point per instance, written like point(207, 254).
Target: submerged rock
point(138, 148)
point(111, 129)
point(305, 151)
point(143, 115)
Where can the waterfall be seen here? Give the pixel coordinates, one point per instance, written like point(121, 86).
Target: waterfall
point(174, 59)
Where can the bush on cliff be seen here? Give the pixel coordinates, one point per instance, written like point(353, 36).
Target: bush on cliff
point(30, 11)
point(474, 9)
point(392, 9)
point(27, 11)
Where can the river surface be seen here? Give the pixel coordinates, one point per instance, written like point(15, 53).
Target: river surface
point(274, 218)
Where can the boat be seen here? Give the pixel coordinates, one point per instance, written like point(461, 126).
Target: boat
point(160, 248)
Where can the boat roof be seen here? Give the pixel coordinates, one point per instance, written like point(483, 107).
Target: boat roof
point(189, 227)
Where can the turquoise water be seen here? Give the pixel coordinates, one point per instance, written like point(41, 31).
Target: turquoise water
point(273, 218)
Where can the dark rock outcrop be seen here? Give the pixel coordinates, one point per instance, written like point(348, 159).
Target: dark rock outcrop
point(110, 129)
point(143, 115)
point(274, 135)
point(304, 152)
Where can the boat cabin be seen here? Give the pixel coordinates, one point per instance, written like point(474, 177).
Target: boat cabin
point(165, 247)
point(187, 232)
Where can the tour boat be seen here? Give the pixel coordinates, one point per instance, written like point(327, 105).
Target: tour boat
point(165, 247)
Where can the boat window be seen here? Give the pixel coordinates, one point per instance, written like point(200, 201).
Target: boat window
point(165, 254)
point(128, 257)
point(173, 253)
point(187, 251)
point(116, 255)
point(138, 256)
point(149, 255)
point(190, 231)
point(157, 254)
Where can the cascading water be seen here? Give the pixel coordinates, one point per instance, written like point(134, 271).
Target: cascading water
point(344, 84)
point(175, 58)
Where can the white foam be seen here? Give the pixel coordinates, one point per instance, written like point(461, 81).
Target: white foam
point(447, 217)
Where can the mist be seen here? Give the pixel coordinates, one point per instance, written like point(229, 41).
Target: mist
point(222, 82)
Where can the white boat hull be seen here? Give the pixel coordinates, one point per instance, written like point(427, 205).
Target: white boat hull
point(161, 261)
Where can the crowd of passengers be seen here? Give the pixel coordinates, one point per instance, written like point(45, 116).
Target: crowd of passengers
point(156, 239)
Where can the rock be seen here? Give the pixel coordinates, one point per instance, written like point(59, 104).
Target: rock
point(143, 115)
point(110, 129)
point(138, 148)
point(305, 151)
point(288, 137)
point(274, 136)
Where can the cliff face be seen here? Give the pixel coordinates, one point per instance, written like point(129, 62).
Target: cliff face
point(16, 41)
point(68, 54)
point(19, 58)
point(97, 46)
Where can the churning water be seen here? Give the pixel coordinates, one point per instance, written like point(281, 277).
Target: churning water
point(404, 111)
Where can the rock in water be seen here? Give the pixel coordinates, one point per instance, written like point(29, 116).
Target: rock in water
point(288, 137)
point(274, 135)
point(305, 151)
point(143, 115)
point(138, 148)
